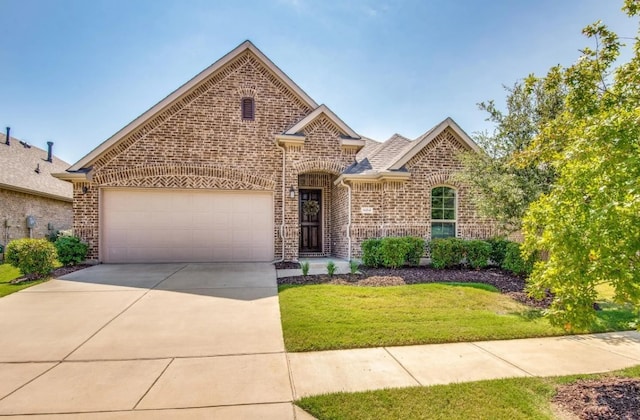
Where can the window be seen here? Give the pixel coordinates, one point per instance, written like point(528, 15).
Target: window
point(248, 109)
point(443, 212)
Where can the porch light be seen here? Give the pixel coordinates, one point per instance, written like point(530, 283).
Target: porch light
point(292, 192)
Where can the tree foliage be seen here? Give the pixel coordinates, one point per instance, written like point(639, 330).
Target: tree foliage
point(503, 190)
point(589, 221)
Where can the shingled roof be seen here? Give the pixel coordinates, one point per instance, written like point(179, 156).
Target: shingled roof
point(24, 168)
point(376, 158)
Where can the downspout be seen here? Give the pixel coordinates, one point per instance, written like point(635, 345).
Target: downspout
point(284, 152)
point(342, 184)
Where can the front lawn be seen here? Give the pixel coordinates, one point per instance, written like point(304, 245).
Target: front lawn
point(9, 273)
point(324, 317)
point(511, 399)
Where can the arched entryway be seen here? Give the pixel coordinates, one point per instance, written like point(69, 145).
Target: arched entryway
point(315, 214)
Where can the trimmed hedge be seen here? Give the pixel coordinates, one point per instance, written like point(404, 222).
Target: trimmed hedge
point(371, 256)
point(71, 250)
point(451, 252)
point(514, 262)
point(415, 251)
point(392, 252)
point(446, 252)
point(33, 257)
point(477, 253)
point(498, 250)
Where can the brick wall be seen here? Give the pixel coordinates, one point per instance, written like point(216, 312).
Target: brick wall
point(16, 206)
point(401, 209)
point(201, 141)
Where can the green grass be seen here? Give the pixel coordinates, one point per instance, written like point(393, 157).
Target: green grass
point(8, 273)
point(323, 317)
point(511, 399)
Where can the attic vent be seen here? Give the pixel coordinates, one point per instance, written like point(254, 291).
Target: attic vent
point(25, 144)
point(248, 109)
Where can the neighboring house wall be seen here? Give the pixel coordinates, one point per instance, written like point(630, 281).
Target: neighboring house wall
point(404, 208)
point(16, 206)
point(27, 188)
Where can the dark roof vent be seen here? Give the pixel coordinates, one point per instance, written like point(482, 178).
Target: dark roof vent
point(25, 144)
point(49, 151)
point(7, 140)
point(37, 169)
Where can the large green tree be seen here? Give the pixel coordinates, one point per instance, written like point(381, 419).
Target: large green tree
point(502, 189)
point(588, 223)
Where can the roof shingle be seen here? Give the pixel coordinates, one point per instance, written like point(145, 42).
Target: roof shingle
point(18, 164)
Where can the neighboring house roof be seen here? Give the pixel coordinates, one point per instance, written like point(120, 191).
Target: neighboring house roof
point(25, 168)
point(86, 161)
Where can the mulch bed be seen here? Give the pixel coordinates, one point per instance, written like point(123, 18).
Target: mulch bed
point(504, 281)
point(610, 398)
point(58, 272)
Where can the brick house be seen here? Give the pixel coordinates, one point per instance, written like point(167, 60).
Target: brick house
point(28, 189)
point(240, 164)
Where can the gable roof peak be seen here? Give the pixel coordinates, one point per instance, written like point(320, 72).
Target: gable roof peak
point(419, 143)
point(323, 110)
point(201, 77)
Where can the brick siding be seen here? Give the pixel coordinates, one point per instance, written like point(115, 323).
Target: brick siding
point(16, 206)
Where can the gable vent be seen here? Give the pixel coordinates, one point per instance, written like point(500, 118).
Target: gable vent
point(248, 109)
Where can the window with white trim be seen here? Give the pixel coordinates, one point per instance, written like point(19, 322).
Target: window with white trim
point(443, 212)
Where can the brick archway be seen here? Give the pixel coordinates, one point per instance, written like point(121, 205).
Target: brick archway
point(185, 176)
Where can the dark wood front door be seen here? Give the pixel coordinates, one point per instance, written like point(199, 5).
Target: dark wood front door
point(310, 208)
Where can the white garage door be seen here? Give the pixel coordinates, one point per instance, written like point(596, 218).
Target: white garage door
point(160, 225)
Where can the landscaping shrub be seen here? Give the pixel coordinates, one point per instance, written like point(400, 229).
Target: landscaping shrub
point(514, 262)
point(393, 252)
point(415, 249)
point(305, 267)
point(498, 250)
point(477, 253)
point(71, 250)
point(353, 266)
point(33, 257)
point(446, 252)
point(331, 268)
point(371, 255)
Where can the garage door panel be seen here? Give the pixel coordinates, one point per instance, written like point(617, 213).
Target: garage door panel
point(166, 225)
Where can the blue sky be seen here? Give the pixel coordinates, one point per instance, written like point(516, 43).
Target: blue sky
point(76, 71)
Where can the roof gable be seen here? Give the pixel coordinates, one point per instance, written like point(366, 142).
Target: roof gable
point(190, 86)
point(414, 147)
point(25, 168)
point(318, 112)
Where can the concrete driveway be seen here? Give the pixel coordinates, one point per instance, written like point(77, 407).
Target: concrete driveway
point(147, 341)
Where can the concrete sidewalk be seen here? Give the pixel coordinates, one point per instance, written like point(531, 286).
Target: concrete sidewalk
point(390, 367)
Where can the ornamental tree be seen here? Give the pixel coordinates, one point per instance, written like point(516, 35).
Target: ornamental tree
point(588, 223)
point(502, 189)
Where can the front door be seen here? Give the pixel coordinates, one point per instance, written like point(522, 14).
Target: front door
point(310, 207)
